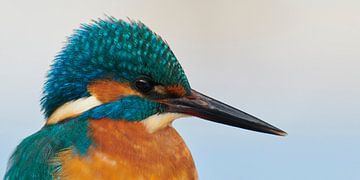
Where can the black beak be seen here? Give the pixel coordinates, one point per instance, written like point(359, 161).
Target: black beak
point(197, 104)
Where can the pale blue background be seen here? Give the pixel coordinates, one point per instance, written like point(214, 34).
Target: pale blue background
point(293, 63)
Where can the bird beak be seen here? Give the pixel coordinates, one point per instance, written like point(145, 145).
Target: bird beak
point(199, 105)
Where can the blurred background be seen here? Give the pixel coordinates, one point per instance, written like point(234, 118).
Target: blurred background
point(295, 64)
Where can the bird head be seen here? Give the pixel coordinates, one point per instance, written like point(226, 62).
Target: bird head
point(123, 71)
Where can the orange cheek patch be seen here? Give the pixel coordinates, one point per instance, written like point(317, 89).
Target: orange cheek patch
point(107, 90)
point(176, 89)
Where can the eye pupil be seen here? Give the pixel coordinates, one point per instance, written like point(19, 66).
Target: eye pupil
point(143, 85)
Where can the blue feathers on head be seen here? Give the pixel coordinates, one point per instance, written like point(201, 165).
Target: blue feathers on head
point(104, 49)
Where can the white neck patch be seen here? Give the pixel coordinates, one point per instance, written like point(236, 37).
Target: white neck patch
point(73, 109)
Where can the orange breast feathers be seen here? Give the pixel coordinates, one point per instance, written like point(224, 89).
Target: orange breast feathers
point(125, 150)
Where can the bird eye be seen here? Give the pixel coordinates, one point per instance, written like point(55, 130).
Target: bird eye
point(144, 85)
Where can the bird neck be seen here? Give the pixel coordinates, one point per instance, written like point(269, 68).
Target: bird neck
point(128, 149)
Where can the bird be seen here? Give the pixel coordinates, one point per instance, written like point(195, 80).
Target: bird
point(109, 100)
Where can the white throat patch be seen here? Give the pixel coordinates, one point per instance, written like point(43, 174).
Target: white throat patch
point(160, 121)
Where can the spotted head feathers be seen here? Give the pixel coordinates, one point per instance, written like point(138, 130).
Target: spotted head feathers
point(113, 50)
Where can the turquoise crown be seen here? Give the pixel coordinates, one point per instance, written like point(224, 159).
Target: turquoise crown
point(114, 49)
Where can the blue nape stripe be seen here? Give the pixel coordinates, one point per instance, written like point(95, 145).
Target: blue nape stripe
point(130, 108)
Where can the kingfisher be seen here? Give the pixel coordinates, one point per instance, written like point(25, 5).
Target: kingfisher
point(109, 101)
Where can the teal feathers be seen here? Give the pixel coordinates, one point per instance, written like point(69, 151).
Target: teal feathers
point(130, 108)
point(112, 49)
point(105, 49)
point(34, 157)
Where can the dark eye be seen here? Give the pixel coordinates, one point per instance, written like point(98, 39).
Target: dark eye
point(144, 85)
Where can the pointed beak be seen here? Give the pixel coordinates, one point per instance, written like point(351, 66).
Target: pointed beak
point(202, 106)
